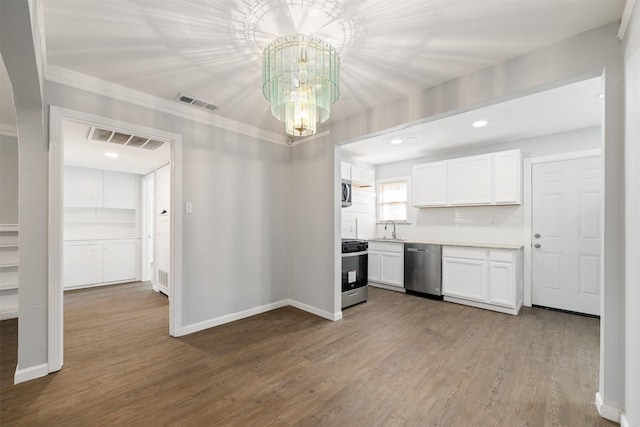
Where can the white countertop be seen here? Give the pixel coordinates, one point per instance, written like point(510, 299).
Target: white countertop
point(450, 243)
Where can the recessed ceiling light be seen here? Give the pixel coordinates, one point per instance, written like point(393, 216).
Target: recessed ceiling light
point(480, 123)
point(395, 141)
point(111, 154)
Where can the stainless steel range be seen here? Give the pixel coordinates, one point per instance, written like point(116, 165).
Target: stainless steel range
point(355, 262)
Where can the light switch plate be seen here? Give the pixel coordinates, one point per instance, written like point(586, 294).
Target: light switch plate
point(188, 207)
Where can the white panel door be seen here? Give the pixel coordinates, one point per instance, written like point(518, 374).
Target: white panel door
point(120, 261)
point(566, 214)
point(392, 268)
point(82, 187)
point(82, 264)
point(430, 184)
point(373, 268)
point(120, 190)
point(470, 180)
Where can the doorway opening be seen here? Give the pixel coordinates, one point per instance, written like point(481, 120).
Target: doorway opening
point(101, 213)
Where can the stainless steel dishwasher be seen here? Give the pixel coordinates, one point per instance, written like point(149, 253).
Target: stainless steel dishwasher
point(423, 268)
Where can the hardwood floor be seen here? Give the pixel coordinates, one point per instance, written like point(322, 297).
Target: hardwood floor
point(395, 360)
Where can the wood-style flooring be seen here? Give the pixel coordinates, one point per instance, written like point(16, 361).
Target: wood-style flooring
point(397, 360)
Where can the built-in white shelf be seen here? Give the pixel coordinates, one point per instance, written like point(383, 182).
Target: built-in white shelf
point(9, 260)
point(8, 245)
point(8, 228)
point(9, 265)
point(8, 286)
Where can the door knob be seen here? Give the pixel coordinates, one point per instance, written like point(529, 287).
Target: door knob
point(537, 235)
point(537, 245)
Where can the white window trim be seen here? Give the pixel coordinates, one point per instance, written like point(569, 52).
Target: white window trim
point(409, 204)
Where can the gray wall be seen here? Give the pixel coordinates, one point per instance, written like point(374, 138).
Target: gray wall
point(632, 218)
point(8, 179)
point(234, 245)
point(312, 233)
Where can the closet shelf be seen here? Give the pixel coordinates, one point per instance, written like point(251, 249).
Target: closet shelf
point(8, 287)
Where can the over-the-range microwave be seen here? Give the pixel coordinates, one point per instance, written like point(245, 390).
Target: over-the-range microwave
point(346, 193)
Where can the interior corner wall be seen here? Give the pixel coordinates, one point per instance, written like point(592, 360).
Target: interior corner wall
point(234, 244)
point(312, 232)
point(632, 219)
point(20, 58)
point(8, 179)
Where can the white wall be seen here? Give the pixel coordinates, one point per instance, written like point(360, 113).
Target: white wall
point(8, 179)
point(632, 219)
point(482, 224)
point(235, 242)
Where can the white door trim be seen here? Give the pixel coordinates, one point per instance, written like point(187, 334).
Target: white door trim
point(144, 216)
point(55, 346)
point(528, 171)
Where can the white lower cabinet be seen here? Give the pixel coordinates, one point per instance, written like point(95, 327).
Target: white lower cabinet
point(482, 277)
point(386, 264)
point(99, 262)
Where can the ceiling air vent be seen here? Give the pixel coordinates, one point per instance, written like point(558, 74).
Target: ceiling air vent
point(196, 102)
point(104, 135)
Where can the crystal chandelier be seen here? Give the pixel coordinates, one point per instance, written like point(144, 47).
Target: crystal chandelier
point(301, 79)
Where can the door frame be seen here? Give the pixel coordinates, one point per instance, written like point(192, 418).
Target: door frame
point(528, 198)
point(57, 117)
point(145, 225)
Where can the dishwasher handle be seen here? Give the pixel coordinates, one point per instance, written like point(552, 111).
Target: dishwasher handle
point(416, 250)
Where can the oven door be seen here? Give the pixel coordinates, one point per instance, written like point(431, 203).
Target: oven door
point(354, 270)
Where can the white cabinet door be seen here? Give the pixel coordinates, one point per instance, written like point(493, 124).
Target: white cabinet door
point(120, 261)
point(120, 190)
point(470, 180)
point(374, 266)
point(82, 187)
point(362, 177)
point(392, 268)
point(345, 170)
point(502, 284)
point(507, 177)
point(430, 184)
point(82, 264)
point(464, 278)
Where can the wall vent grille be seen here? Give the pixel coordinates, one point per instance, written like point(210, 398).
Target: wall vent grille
point(105, 135)
point(163, 277)
point(196, 102)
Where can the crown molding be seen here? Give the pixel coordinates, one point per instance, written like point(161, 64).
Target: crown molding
point(74, 79)
point(8, 130)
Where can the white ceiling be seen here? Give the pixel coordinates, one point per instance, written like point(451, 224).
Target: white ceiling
point(81, 151)
point(390, 49)
point(569, 107)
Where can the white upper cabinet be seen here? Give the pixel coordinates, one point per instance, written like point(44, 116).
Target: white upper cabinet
point(362, 177)
point(507, 172)
point(430, 184)
point(470, 181)
point(82, 187)
point(345, 170)
point(488, 179)
point(120, 190)
point(95, 188)
point(359, 176)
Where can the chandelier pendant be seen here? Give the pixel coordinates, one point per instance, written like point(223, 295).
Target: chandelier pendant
point(301, 79)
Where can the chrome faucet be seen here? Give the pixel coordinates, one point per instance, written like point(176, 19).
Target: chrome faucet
point(393, 234)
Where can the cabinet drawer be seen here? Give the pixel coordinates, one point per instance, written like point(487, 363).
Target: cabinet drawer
point(386, 246)
point(504, 255)
point(464, 252)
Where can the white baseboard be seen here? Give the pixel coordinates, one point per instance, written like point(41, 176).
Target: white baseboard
point(31, 373)
point(9, 314)
point(196, 327)
point(624, 422)
point(313, 310)
point(607, 411)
